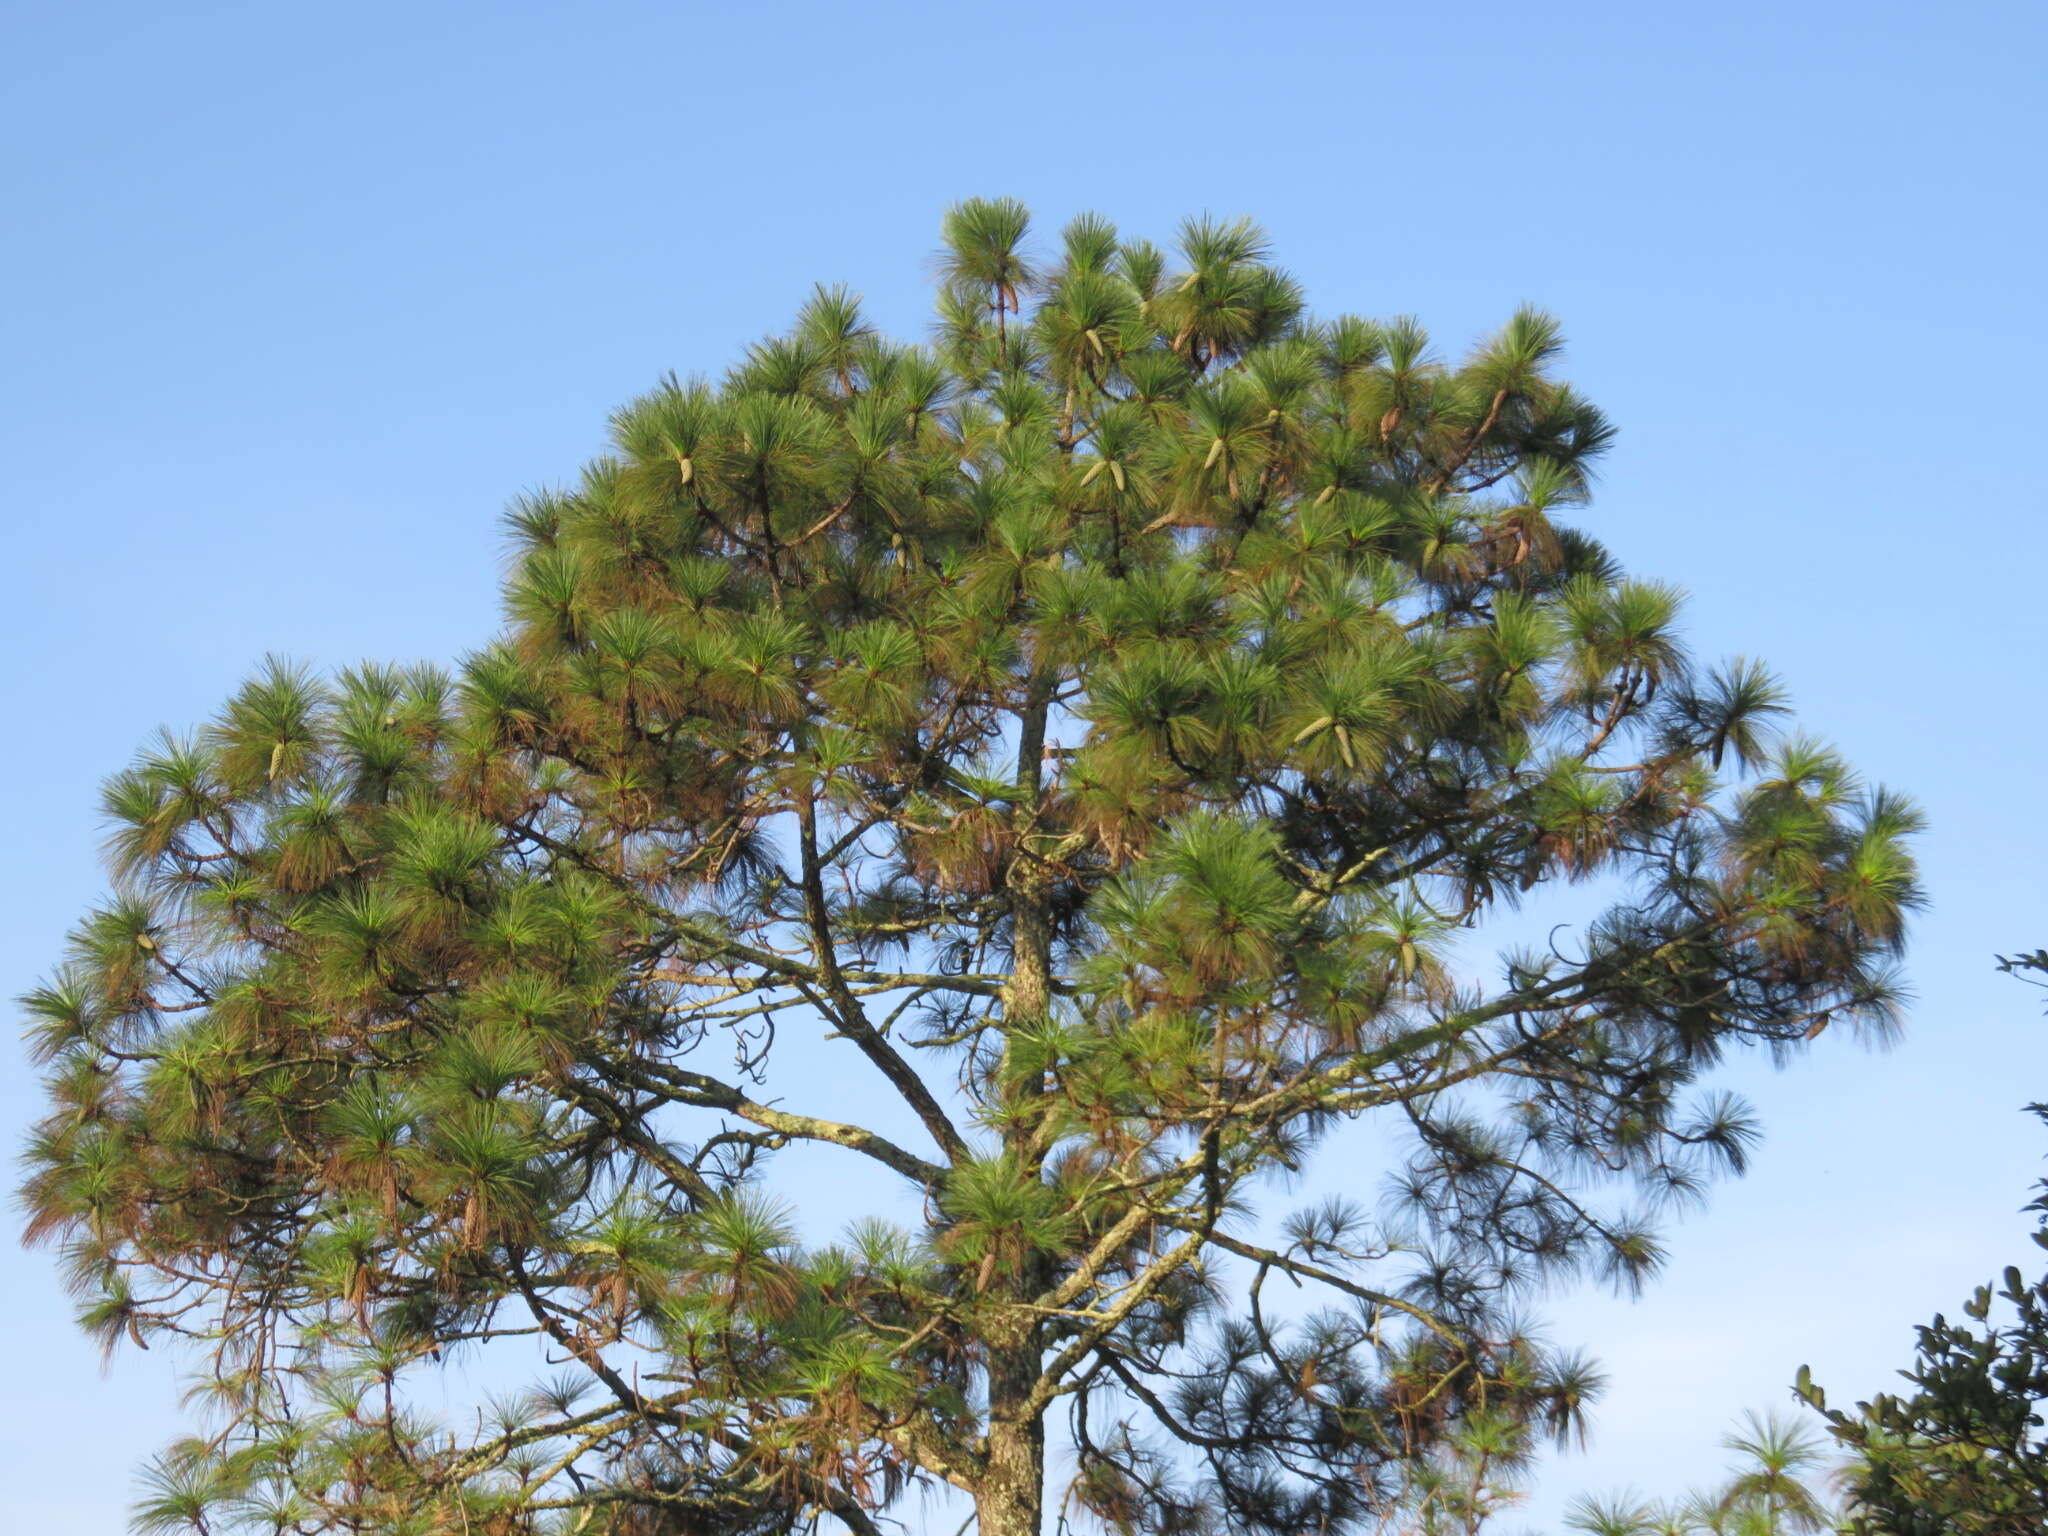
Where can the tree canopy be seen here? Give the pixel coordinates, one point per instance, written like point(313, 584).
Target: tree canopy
point(1093, 730)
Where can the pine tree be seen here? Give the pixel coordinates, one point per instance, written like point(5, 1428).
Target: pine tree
point(1772, 1489)
point(1093, 730)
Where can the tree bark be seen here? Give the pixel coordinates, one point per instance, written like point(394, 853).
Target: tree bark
point(1029, 993)
point(1011, 1498)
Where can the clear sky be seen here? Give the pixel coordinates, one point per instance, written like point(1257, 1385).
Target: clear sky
point(293, 297)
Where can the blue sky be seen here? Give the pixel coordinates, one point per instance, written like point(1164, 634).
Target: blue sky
point(296, 297)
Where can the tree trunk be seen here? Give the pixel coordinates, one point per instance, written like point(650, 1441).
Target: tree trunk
point(1028, 997)
point(1011, 1499)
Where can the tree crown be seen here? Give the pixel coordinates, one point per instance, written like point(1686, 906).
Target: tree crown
point(1100, 723)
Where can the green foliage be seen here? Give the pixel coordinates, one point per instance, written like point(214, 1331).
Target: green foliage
point(1963, 1453)
point(1770, 1491)
point(1102, 725)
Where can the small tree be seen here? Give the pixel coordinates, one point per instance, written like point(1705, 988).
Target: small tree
point(1769, 1492)
point(1778, 1459)
point(1963, 1454)
point(1097, 726)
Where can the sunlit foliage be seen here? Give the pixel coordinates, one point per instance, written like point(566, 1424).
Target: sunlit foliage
point(1100, 723)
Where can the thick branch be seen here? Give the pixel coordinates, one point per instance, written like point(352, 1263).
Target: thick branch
point(846, 1010)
